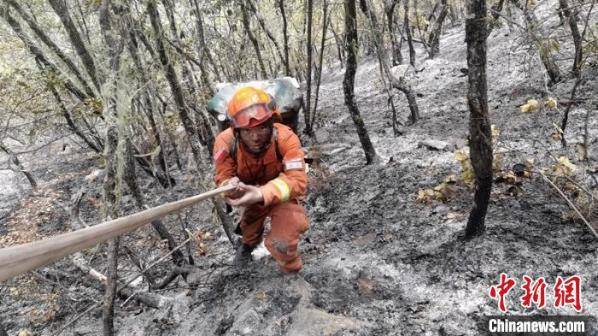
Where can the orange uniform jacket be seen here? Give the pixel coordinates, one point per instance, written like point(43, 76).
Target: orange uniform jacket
point(279, 180)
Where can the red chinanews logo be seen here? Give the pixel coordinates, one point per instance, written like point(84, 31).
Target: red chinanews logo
point(567, 292)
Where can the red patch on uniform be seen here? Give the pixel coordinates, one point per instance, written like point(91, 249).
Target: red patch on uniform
point(220, 155)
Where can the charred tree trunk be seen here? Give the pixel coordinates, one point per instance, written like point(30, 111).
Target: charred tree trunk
point(307, 111)
point(52, 46)
point(46, 66)
point(385, 75)
point(434, 40)
point(111, 209)
point(253, 39)
point(173, 81)
point(231, 71)
point(351, 45)
point(39, 55)
point(131, 179)
point(111, 281)
point(495, 10)
point(115, 48)
point(96, 145)
point(418, 24)
point(178, 46)
point(561, 16)
point(397, 83)
point(397, 56)
point(271, 37)
point(480, 142)
point(150, 107)
point(160, 175)
point(407, 29)
point(401, 85)
point(110, 200)
point(204, 131)
point(202, 128)
point(432, 14)
point(339, 45)
point(453, 13)
point(15, 160)
point(61, 10)
point(202, 46)
point(549, 62)
point(579, 79)
point(567, 110)
point(169, 134)
point(325, 22)
point(572, 18)
point(81, 22)
point(285, 36)
point(178, 95)
point(546, 55)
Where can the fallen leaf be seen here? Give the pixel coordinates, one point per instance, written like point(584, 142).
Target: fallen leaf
point(495, 132)
point(260, 296)
point(531, 106)
point(556, 136)
point(452, 178)
point(443, 191)
point(461, 155)
point(529, 164)
point(424, 195)
point(564, 161)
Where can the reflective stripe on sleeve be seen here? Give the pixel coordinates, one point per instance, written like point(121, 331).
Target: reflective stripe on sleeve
point(283, 188)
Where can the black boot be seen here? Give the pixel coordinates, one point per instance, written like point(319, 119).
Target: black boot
point(243, 255)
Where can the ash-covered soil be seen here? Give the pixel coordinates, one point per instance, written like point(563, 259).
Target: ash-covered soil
point(376, 261)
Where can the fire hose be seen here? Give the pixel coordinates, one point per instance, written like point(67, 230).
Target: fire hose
point(22, 258)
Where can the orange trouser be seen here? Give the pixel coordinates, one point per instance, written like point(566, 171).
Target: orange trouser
point(288, 223)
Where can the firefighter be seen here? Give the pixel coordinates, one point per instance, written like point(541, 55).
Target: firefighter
point(264, 160)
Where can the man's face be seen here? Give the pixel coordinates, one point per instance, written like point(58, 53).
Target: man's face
point(256, 139)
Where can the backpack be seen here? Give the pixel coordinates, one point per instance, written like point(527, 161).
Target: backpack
point(285, 92)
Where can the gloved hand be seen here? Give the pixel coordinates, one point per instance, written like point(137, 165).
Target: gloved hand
point(251, 195)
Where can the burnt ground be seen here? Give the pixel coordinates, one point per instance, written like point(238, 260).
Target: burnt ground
point(377, 262)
